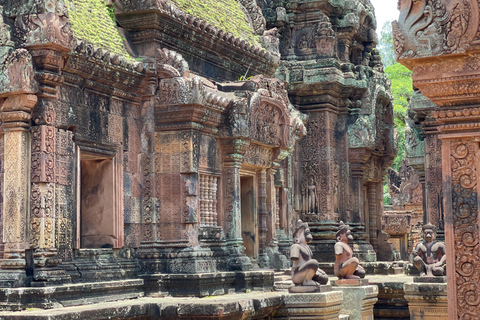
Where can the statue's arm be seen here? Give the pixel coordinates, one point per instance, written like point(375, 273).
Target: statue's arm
point(294, 252)
point(338, 249)
point(443, 252)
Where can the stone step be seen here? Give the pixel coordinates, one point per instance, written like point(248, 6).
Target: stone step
point(344, 317)
point(397, 270)
point(282, 285)
point(282, 278)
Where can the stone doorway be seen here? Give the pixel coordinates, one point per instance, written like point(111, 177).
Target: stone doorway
point(249, 217)
point(99, 205)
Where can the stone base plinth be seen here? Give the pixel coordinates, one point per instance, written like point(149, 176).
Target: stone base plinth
point(427, 301)
point(13, 278)
point(358, 301)
point(207, 284)
point(308, 289)
point(319, 306)
point(349, 282)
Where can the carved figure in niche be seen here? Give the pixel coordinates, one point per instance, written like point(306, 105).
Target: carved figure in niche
point(305, 271)
point(346, 265)
point(310, 196)
point(303, 42)
point(430, 255)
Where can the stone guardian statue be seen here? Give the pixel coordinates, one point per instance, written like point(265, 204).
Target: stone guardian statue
point(346, 265)
point(429, 256)
point(305, 271)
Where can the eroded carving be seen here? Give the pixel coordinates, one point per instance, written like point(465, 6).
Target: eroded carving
point(346, 265)
point(430, 255)
point(305, 271)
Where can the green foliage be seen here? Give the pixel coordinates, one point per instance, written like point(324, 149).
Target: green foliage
point(92, 21)
point(111, 14)
point(402, 91)
point(226, 14)
point(385, 45)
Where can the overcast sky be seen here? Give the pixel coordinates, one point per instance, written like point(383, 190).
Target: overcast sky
point(385, 10)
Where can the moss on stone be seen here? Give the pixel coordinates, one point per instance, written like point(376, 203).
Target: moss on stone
point(91, 22)
point(226, 14)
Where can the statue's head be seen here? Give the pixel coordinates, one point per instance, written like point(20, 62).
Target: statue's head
point(429, 232)
point(302, 233)
point(343, 233)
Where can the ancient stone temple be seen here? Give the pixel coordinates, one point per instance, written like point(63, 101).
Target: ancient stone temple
point(152, 146)
point(336, 77)
point(439, 41)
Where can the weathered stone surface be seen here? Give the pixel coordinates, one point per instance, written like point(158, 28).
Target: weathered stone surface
point(324, 305)
point(427, 300)
point(443, 73)
point(163, 150)
point(358, 301)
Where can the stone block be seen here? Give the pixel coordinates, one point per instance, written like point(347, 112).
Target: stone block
point(427, 301)
point(358, 301)
point(321, 305)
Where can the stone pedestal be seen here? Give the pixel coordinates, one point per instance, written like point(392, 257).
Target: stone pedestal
point(427, 300)
point(319, 306)
point(358, 298)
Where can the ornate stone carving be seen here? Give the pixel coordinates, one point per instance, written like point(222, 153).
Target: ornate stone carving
point(255, 14)
point(325, 37)
point(361, 133)
point(43, 154)
point(258, 155)
point(404, 186)
point(171, 64)
point(44, 29)
point(432, 27)
point(465, 235)
point(310, 201)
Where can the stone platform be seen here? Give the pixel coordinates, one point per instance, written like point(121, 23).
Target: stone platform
point(239, 306)
point(358, 298)
point(427, 298)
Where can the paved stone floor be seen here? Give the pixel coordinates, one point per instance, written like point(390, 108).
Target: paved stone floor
point(169, 307)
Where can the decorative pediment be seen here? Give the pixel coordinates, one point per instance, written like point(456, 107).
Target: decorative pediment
point(270, 123)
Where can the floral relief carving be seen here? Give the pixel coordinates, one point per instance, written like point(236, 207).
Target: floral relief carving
point(43, 154)
point(465, 223)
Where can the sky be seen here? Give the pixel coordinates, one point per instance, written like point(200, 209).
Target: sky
point(385, 10)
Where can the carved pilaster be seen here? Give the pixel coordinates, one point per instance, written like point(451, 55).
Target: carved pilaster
point(433, 180)
point(372, 214)
point(16, 186)
point(460, 172)
point(262, 215)
point(233, 154)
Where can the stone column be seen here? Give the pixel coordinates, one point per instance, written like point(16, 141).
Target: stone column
point(263, 260)
point(272, 210)
point(233, 155)
point(16, 114)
